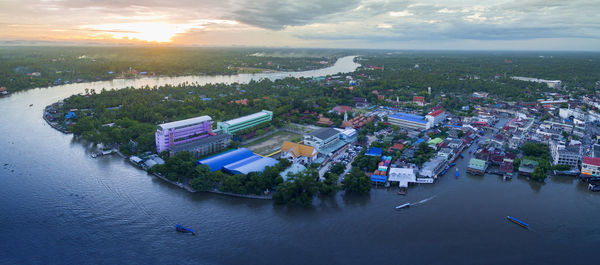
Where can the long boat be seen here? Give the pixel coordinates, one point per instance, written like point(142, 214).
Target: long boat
point(182, 229)
point(406, 205)
point(456, 173)
point(451, 165)
point(517, 221)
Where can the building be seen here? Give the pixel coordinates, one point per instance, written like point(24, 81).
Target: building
point(565, 155)
point(324, 140)
point(204, 146)
point(409, 121)
point(403, 175)
point(477, 166)
point(527, 166)
point(420, 101)
point(298, 153)
point(239, 161)
point(342, 109)
point(245, 122)
point(480, 94)
point(590, 166)
point(432, 167)
point(175, 133)
point(436, 117)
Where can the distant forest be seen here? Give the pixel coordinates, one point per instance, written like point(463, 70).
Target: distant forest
point(30, 67)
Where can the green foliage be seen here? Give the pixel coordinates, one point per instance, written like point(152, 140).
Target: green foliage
point(357, 182)
point(422, 154)
point(330, 185)
point(338, 168)
point(366, 163)
point(561, 167)
point(538, 150)
point(181, 165)
point(539, 174)
point(298, 190)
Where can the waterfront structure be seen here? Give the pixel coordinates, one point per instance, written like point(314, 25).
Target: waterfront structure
point(477, 166)
point(590, 166)
point(175, 133)
point(245, 122)
point(527, 166)
point(298, 153)
point(432, 167)
point(436, 117)
point(403, 175)
point(239, 161)
point(409, 121)
point(565, 155)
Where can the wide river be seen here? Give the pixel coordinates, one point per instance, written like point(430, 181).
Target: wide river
point(60, 206)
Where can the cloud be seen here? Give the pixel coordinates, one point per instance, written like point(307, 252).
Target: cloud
point(277, 14)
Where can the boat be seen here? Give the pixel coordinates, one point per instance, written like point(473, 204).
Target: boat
point(451, 165)
point(456, 173)
point(461, 156)
point(182, 229)
point(517, 221)
point(402, 191)
point(443, 172)
point(31, 105)
point(406, 205)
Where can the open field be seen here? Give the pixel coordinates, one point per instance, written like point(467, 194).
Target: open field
point(270, 143)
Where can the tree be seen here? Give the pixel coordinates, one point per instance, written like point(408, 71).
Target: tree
point(330, 185)
point(357, 182)
point(298, 190)
point(338, 168)
point(539, 174)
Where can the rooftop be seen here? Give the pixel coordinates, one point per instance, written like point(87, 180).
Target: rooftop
point(595, 161)
point(436, 113)
point(246, 118)
point(186, 122)
point(409, 117)
point(324, 133)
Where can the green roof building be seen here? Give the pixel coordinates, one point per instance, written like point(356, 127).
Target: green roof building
point(477, 166)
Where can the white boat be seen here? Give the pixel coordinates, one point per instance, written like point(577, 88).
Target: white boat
point(406, 205)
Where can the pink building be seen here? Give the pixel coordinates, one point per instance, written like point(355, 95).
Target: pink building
point(183, 131)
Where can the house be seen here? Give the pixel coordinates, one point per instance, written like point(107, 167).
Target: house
point(3, 91)
point(446, 153)
point(324, 120)
point(298, 153)
point(420, 101)
point(432, 167)
point(527, 166)
point(396, 147)
point(477, 166)
point(342, 109)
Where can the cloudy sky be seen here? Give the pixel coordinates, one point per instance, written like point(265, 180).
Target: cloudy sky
point(402, 24)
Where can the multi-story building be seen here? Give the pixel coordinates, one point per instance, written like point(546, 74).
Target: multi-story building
point(565, 155)
point(322, 139)
point(590, 166)
point(204, 146)
point(245, 122)
point(432, 167)
point(175, 133)
point(409, 121)
point(436, 117)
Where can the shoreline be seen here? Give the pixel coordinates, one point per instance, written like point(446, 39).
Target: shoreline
point(186, 187)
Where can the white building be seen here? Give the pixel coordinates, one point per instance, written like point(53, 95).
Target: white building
point(410, 121)
point(432, 167)
point(436, 117)
point(322, 138)
point(565, 155)
point(403, 176)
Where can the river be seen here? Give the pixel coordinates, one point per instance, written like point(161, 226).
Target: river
point(60, 206)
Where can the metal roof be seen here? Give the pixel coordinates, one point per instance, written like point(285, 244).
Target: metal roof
point(324, 133)
point(186, 122)
point(408, 117)
point(245, 118)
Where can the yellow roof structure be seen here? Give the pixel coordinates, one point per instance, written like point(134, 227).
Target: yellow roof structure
point(298, 149)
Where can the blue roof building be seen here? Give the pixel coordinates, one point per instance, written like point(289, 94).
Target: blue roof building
point(409, 121)
point(239, 161)
point(374, 151)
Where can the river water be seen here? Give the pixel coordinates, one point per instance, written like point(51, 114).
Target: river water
point(60, 206)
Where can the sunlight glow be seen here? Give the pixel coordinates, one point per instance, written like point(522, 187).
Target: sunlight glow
point(150, 31)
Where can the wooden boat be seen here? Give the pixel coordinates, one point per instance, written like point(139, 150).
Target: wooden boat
point(406, 205)
point(402, 191)
point(182, 229)
point(517, 221)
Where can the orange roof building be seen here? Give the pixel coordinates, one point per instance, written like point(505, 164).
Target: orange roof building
point(298, 153)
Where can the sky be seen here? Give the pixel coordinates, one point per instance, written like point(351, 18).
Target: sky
point(380, 24)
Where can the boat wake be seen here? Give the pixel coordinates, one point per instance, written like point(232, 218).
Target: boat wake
point(424, 200)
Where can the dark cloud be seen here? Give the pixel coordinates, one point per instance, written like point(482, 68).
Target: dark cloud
point(277, 14)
